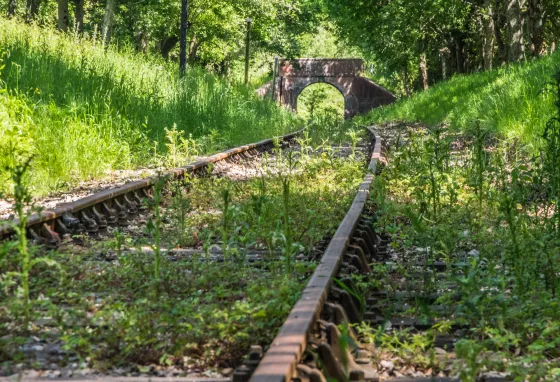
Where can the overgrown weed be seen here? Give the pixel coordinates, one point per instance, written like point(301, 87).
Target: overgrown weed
point(489, 212)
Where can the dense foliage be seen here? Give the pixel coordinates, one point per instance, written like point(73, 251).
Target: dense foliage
point(432, 40)
point(83, 109)
point(216, 29)
point(409, 44)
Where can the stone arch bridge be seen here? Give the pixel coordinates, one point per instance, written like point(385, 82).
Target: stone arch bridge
point(360, 93)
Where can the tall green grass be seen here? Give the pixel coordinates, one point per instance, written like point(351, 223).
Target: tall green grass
point(82, 108)
point(512, 101)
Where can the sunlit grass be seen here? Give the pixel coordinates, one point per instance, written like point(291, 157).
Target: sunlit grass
point(512, 101)
point(82, 109)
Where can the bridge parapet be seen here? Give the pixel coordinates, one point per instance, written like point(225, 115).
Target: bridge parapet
point(322, 67)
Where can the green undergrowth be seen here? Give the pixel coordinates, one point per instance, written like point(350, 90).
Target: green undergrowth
point(490, 209)
point(513, 101)
point(128, 304)
point(83, 109)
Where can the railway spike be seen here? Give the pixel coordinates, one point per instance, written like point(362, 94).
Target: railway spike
point(357, 375)
point(138, 200)
point(242, 374)
point(89, 223)
point(362, 243)
point(339, 317)
point(146, 197)
point(130, 204)
point(61, 228)
point(360, 253)
point(71, 222)
point(122, 216)
point(350, 285)
point(362, 357)
point(36, 237)
point(367, 239)
point(333, 367)
point(52, 239)
point(309, 374)
point(99, 218)
point(348, 305)
point(110, 214)
point(356, 262)
point(365, 371)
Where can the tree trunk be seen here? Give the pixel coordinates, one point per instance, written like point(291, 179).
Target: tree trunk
point(31, 10)
point(193, 48)
point(143, 43)
point(453, 57)
point(488, 27)
point(424, 71)
point(537, 19)
point(406, 80)
point(444, 54)
point(12, 5)
point(108, 20)
point(499, 26)
point(168, 44)
point(79, 15)
point(516, 51)
point(63, 15)
point(183, 37)
point(460, 55)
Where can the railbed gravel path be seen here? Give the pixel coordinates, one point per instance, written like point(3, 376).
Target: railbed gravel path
point(49, 353)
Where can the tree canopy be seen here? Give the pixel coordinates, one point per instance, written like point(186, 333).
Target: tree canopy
point(411, 44)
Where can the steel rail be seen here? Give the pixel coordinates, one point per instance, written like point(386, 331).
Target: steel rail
point(49, 217)
point(284, 354)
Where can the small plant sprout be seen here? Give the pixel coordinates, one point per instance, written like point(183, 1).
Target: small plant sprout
point(155, 226)
point(355, 138)
point(305, 144)
point(479, 164)
point(226, 200)
point(180, 206)
point(552, 155)
point(22, 198)
point(22, 202)
point(119, 242)
point(287, 224)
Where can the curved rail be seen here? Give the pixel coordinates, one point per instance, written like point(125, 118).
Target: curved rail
point(112, 206)
point(286, 351)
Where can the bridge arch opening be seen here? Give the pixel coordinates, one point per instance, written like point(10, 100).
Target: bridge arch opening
point(321, 98)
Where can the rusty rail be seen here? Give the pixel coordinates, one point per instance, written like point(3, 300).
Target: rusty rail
point(112, 206)
point(286, 351)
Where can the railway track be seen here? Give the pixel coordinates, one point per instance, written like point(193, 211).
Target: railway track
point(96, 217)
point(115, 206)
point(318, 340)
point(311, 334)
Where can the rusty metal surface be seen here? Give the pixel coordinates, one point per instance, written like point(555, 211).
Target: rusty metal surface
point(280, 361)
point(47, 216)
